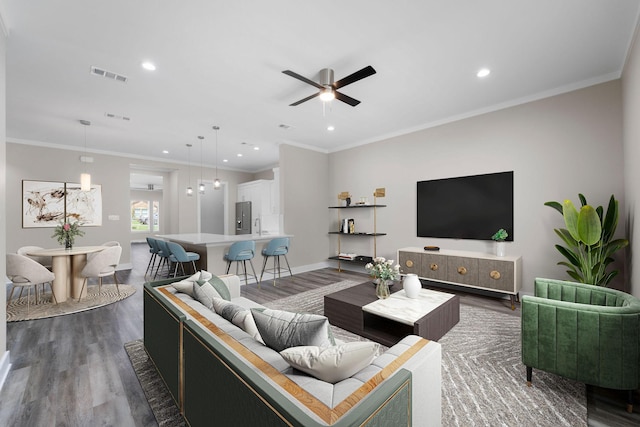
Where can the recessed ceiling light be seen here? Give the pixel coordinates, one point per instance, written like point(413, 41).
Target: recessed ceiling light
point(239, 154)
point(330, 128)
point(256, 148)
point(149, 66)
point(225, 160)
point(165, 151)
point(483, 72)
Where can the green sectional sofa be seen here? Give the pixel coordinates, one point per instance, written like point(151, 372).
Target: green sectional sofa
point(586, 333)
point(218, 374)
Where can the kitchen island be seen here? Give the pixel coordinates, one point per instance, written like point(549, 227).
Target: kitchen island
point(212, 247)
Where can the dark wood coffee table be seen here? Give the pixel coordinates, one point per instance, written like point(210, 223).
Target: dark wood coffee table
point(344, 310)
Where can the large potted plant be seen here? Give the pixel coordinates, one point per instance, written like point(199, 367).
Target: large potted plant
point(589, 237)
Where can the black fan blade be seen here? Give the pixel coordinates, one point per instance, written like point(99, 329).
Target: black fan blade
point(346, 99)
point(304, 79)
point(304, 100)
point(352, 78)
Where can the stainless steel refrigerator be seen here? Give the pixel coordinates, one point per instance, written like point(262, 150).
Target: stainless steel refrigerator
point(243, 218)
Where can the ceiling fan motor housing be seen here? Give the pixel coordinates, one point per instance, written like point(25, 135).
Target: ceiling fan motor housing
point(326, 77)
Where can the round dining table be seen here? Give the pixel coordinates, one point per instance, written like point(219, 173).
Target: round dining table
point(67, 264)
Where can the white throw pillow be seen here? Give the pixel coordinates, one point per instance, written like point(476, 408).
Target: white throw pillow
point(332, 364)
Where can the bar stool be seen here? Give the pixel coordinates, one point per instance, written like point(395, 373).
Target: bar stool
point(180, 256)
point(164, 253)
point(242, 251)
point(276, 248)
point(153, 250)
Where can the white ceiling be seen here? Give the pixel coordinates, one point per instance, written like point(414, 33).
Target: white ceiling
point(220, 63)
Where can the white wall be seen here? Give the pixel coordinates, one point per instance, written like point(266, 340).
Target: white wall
point(4, 354)
point(303, 190)
point(557, 147)
point(631, 109)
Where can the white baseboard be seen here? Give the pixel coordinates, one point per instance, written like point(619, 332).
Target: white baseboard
point(5, 366)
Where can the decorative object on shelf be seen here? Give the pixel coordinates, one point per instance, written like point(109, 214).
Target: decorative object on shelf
point(589, 238)
point(384, 271)
point(411, 285)
point(66, 233)
point(499, 238)
point(382, 289)
point(346, 197)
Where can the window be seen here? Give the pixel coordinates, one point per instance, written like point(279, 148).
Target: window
point(145, 215)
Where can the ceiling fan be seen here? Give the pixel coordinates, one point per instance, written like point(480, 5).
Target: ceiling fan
point(329, 88)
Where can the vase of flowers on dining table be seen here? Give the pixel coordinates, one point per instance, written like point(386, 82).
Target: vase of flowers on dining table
point(66, 232)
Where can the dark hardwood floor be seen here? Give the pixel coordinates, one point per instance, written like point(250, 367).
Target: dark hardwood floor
point(73, 371)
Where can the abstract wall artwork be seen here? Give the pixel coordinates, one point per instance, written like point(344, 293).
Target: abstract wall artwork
point(47, 203)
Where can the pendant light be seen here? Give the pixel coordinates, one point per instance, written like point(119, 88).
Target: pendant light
point(201, 185)
point(85, 177)
point(189, 189)
point(216, 182)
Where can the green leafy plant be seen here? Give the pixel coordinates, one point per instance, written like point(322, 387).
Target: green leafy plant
point(67, 232)
point(500, 235)
point(589, 239)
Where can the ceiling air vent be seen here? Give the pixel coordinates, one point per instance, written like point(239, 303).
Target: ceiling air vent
point(118, 117)
point(108, 74)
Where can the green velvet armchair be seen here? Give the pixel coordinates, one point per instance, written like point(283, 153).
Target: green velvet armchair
point(586, 333)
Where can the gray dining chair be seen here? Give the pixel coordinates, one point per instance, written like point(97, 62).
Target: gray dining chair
point(24, 272)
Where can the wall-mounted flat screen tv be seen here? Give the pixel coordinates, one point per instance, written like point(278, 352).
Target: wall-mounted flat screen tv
point(467, 207)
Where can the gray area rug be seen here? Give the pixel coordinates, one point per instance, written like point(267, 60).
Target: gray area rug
point(46, 307)
point(158, 396)
point(483, 379)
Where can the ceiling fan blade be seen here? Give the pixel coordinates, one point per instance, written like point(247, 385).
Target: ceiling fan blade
point(302, 78)
point(304, 100)
point(346, 99)
point(352, 78)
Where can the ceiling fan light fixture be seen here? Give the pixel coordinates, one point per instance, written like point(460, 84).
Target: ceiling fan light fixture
point(327, 95)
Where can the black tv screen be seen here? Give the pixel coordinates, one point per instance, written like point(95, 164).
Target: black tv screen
point(467, 207)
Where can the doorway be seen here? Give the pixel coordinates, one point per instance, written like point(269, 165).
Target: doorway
point(212, 212)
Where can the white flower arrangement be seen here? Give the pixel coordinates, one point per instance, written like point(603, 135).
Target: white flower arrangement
point(383, 269)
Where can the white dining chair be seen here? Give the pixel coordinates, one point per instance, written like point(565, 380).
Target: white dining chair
point(27, 273)
point(101, 264)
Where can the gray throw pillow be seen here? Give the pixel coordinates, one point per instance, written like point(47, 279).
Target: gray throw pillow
point(205, 293)
point(282, 329)
point(239, 316)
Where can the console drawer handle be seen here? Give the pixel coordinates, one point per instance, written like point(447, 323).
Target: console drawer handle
point(433, 267)
point(409, 263)
point(495, 274)
point(462, 270)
